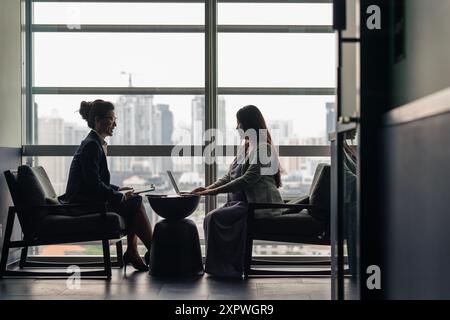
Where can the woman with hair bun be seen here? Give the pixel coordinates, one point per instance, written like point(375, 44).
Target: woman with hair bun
point(89, 180)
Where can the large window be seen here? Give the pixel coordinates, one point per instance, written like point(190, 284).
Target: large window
point(168, 72)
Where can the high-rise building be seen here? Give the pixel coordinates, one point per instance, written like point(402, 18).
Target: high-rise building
point(162, 129)
point(140, 122)
point(198, 126)
point(134, 127)
point(50, 131)
point(74, 133)
point(198, 119)
point(280, 130)
point(162, 125)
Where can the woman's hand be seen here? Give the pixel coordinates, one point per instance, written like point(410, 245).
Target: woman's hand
point(128, 195)
point(207, 192)
point(199, 189)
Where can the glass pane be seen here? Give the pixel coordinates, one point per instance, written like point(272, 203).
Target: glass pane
point(292, 120)
point(275, 14)
point(296, 180)
point(119, 59)
point(276, 60)
point(135, 172)
point(118, 13)
point(141, 120)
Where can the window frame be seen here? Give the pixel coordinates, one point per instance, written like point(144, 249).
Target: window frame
point(211, 91)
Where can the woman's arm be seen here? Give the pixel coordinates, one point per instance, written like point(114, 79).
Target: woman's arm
point(251, 176)
point(220, 182)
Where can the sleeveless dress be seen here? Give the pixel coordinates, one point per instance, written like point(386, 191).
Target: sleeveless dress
point(225, 233)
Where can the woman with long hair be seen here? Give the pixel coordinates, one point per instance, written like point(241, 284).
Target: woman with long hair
point(89, 181)
point(253, 177)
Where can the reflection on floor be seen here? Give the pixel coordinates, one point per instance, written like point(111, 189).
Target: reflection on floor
point(142, 286)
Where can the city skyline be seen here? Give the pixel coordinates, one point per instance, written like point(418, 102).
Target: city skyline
point(145, 122)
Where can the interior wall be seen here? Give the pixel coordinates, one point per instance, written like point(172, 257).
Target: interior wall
point(426, 67)
point(414, 157)
point(11, 101)
point(416, 208)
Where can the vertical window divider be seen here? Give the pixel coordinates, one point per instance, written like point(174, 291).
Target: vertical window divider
point(30, 112)
point(210, 94)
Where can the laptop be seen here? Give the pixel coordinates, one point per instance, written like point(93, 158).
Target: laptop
point(174, 184)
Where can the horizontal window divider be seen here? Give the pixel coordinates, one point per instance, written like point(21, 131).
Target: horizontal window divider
point(112, 28)
point(277, 91)
point(119, 90)
point(166, 151)
point(275, 29)
point(192, 1)
point(183, 91)
point(131, 1)
point(276, 1)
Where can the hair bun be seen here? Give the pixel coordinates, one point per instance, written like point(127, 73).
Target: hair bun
point(85, 107)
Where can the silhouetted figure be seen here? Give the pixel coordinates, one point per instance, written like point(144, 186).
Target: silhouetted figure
point(89, 180)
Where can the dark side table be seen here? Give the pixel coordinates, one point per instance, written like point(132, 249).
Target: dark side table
point(175, 250)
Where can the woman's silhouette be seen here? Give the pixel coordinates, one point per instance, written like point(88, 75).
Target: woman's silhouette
point(89, 180)
point(251, 178)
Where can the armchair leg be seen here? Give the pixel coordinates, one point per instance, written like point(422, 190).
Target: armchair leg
point(6, 243)
point(119, 250)
point(23, 257)
point(107, 258)
point(248, 257)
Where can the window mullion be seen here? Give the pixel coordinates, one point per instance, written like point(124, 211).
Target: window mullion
point(210, 91)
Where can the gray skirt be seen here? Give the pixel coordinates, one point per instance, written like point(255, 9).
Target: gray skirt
point(225, 236)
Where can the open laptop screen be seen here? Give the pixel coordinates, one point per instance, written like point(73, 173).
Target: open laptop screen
point(172, 180)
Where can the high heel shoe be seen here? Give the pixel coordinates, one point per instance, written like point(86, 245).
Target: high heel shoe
point(138, 264)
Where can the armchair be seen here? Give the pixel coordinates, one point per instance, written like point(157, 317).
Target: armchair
point(46, 222)
point(306, 221)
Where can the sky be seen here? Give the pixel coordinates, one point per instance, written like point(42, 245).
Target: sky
point(177, 60)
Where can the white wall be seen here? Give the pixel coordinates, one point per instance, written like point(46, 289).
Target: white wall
point(10, 74)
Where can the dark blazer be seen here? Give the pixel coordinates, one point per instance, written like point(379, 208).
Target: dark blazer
point(89, 178)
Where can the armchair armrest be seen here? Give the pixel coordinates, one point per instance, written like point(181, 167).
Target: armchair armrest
point(90, 207)
point(298, 200)
point(298, 207)
point(253, 206)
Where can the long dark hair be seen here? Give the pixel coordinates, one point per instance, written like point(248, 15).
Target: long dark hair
point(98, 108)
point(250, 117)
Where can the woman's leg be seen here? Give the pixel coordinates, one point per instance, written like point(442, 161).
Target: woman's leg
point(140, 226)
point(132, 242)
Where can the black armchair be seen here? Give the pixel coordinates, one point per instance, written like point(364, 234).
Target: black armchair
point(306, 221)
point(45, 222)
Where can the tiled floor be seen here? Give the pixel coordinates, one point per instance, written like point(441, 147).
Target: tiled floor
point(138, 286)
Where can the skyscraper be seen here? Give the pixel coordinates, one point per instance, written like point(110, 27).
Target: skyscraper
point(140, 122)
point(50, 131)
point(198, 125)
point(162, 129)
point(135, 119)
point(198, 119)
point(280, 130)
point(162, 125)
